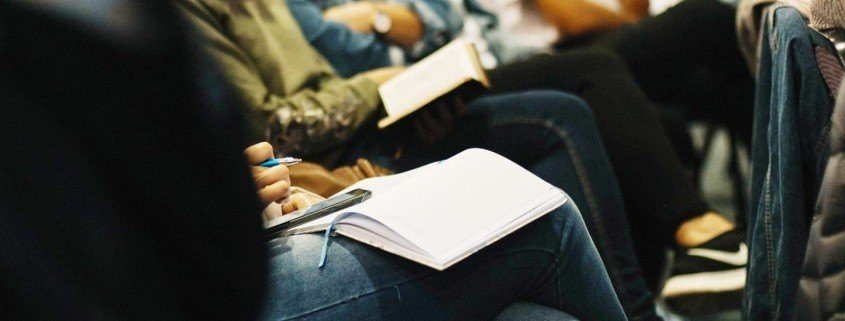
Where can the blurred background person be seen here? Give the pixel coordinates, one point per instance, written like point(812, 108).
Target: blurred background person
point(628, 75)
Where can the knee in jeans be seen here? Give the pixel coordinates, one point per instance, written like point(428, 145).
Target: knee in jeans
point(567, 217)
point(562, 108)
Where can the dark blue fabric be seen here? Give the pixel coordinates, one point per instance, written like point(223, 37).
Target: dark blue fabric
point(349, 52)
point(554, 135)
point(551, 262)
point(791, 118)
point(522, 311)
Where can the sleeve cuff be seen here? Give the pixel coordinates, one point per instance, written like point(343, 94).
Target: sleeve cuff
point(436, 31)
point(368, 90)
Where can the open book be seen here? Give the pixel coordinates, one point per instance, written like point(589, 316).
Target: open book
point(441, 213)
point(455, 67)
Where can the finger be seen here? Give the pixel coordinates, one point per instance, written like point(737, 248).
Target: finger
point(274, 192)
point(257, 170)
point(258, 153)
point(359, 174)
point(271, 176)
point(284, 197)
point(288, 208)
point(367, 168)
point(380, 171)
point(301, 202)
point(294, 203)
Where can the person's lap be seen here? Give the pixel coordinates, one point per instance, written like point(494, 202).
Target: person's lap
point(551, 261)
point(658, 195)
point(554, 135)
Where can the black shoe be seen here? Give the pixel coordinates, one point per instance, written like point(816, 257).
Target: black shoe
point(708, 278)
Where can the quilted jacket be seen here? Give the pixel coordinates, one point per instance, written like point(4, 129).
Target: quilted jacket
point(822, 286)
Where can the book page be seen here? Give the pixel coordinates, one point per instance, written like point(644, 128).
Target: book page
point(430, 78)
point(462, 201)
point(443, 212)
point(376, 185)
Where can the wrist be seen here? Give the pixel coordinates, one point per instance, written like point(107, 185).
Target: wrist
point(380, 21)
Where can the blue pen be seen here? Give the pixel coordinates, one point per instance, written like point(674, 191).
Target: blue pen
point(287, 161)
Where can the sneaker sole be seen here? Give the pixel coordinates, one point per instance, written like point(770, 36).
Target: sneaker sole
point(702, 304)
point(705, 293)
point(705, 282)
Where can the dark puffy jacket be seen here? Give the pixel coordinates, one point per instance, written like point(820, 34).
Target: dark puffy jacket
point(124, 194)
point(822, 287)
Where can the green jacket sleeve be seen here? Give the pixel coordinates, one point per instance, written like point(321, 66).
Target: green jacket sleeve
point(309, 121)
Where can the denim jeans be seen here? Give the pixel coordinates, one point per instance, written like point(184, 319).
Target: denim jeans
point(551, 262)
point(791, 123)
point(553, 135)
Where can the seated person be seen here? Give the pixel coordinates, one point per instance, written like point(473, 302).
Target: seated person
point(128, 197)
point(476, 289)
point(296, 100)
point(513, 28)
point(662, 199)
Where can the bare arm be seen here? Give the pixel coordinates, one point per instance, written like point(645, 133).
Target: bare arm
point(407, 27)
point(576, 17)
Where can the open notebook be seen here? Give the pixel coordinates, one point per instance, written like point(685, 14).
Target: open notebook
point(443, 212)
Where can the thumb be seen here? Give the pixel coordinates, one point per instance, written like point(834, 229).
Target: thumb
point(294, 203)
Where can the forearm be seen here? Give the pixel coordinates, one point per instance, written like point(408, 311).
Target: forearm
point(634, 9)
point(407, 27)
point(575, 17)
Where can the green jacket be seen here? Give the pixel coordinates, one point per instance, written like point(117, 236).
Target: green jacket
point(295, 99)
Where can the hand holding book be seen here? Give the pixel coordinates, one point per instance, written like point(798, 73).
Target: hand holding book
point(384, 74)
point(428, 98)
point(432, 124)
point(453, 69)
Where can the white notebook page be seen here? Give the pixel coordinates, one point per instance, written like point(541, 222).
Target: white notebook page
point(470, 203)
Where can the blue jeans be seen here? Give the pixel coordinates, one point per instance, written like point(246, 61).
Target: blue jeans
point(554, 135)
point(791, 123)
point(551, 262)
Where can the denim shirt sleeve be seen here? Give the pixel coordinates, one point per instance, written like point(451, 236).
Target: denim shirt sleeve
point(441, 22)
point(351, 53)
point(348, 52)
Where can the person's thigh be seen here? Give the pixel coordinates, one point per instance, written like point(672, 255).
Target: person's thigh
point(503, 123)
point(550, 262)
point(563, 147)
point(553, 135)
point(688, 57)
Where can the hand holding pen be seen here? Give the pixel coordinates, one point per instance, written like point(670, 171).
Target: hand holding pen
point(272, 181)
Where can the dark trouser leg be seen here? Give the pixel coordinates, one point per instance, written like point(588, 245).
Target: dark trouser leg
point(688, 57)
point(659, 193)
